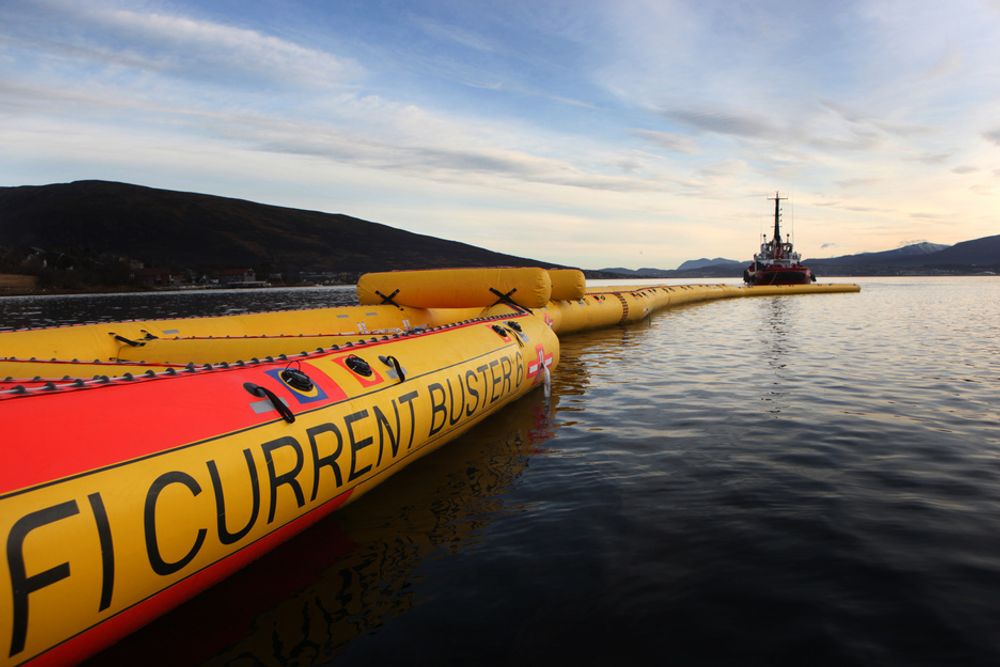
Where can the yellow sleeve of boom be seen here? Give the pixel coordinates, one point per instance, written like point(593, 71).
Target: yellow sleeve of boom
point(529, 287)
point(567, 284)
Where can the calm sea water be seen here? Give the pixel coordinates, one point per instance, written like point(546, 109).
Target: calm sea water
point(796, 480)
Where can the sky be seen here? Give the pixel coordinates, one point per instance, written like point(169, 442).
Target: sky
point(613, 133)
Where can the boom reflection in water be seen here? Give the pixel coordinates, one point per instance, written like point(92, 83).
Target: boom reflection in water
point(353, 572)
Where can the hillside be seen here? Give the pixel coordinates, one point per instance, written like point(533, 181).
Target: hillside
point(913, 251)
point(704, 262)
point(969, 257)
point(983, 253)
point(974, 256)
point(726, 268)
point(92, 223)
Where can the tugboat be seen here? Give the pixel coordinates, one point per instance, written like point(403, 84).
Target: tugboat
point(777, 263)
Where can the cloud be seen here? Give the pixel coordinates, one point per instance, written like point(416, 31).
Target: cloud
point(931, 158)
point(849, 183)
point(671, 141)
point(949, 63)
point(857, 139)
point(411, 142)
point(827, 244)
point(177, 45)
point(870, 121)
point(740, 125)
point(863, 209)
point(965, 169)
point(452, 33)
point(22, 97)
point(993, 135)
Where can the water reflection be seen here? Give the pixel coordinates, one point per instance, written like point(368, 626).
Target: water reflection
point(776, 338)
point(356, 570)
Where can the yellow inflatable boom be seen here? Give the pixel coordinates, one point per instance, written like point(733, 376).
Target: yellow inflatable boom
point(120, 498)
point(529, 287)
point(567, 284)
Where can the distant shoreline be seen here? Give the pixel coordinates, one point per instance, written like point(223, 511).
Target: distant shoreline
point(229, 288)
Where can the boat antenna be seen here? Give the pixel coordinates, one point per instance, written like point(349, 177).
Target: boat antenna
point(791, 220)
point(777, 216)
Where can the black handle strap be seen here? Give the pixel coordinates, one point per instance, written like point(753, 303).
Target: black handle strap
point(390, 360)
point(279, 405)
point(127, 341)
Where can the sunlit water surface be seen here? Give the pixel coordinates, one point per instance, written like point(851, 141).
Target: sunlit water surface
point(796, 480)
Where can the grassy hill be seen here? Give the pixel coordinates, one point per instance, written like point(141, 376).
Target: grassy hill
point(95, 222)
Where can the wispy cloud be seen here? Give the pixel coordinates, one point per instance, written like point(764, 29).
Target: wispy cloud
point(177, 45)
point(671, 141)
point(454, 161)
point(453, 33)
point(932, 158)
point(720, 122)
point(860, 182)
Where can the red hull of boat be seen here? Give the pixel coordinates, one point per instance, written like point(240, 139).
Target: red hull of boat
point(791, 276)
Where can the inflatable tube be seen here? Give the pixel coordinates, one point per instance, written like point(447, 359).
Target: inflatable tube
point(107, 341)
point(32, 372)
point(605, 306)
point(234, 349)
point(457, 288)
point(148, 489)
point(212, 350)
point(567, 284)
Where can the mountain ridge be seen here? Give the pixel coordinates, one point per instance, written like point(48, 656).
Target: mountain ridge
point(107, 233)
point(704, 261)
point(974, 256)
point(164, 227)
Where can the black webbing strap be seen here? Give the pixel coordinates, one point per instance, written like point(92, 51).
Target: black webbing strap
point(394, 362)
point(279, 405)
point(505, 298)
point(388, 299)
point(127, 341)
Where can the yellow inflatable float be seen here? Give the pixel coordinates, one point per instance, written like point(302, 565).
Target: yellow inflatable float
point(147, 489)
point(457, 288)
